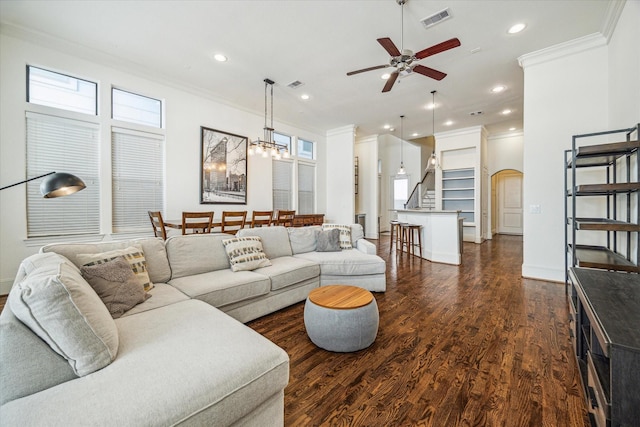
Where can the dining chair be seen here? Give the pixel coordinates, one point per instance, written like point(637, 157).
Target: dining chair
point(196, 222)
point(261, 218)
point(157, 223)
point(284, 218)
point(232, 221)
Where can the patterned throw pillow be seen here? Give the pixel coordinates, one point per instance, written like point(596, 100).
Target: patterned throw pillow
point(345, 234)
point(116, 285)
point(133, 255)
point(245, 253)
point(329, 241)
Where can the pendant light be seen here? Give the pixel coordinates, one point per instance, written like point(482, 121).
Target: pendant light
point(268, 145)
point(433, 160)
point(401, 170)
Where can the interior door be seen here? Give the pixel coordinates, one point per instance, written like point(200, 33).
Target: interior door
point(509, 197)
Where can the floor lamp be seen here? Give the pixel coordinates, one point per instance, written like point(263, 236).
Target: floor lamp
point(55, 184)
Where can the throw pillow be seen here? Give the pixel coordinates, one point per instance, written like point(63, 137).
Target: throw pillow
point(245, 253)
point(59, 306)
point(303, 239)
point(116, 285)
point(133, 255)
point(345, 234)
point(329, 241)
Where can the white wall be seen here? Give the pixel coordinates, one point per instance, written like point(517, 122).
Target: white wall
point(185, 113)
point(565, 93)
point(340, 177)
point(505, 151)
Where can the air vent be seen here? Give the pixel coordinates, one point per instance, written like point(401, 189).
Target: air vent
point(295, 84)
point(475, 113)
point(436, 18)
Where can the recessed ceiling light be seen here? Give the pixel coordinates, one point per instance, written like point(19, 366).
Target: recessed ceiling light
point(220, 57)
point(516, 28)
point(385, 76)
point(498, 89)
point(448, 123)
point(304, 96)
point(505, 112)
point(392, 129)
point(414, 134)
point(431, 106)
point(512, 128)
point(386, 126)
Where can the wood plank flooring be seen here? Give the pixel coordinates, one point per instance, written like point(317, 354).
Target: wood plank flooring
point(470, 345)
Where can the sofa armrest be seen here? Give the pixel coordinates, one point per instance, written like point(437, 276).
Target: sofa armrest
point(366, 246)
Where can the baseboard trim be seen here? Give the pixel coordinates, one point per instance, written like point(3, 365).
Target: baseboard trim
point(543, 273)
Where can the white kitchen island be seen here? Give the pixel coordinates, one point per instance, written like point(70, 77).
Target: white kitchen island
point(441, 238)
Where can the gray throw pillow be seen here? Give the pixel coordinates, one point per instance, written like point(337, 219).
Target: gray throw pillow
point(329, 241)
point(116, 285)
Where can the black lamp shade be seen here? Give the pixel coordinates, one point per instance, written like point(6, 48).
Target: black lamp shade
point(60, 184)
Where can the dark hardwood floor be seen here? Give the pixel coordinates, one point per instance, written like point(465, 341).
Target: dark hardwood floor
point(469, 345)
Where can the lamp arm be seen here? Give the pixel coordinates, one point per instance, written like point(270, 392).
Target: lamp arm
point(26, 180)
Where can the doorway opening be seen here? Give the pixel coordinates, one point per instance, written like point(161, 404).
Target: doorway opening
point(506, 202)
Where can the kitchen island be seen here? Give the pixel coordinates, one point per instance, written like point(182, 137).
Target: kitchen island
point(441, 233)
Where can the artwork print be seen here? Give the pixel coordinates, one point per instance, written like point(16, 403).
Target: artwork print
point(223, 177)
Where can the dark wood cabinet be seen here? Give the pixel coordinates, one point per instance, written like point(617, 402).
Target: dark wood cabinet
point(605, 328)
point(308, 219)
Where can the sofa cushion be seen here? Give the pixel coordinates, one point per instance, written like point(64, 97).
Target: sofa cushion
point(245, 253)
point(134, 256)
point(59, 306)
point(357, 233)
point(346, 263)
point(162, 294)
point(288, 271)
point(28, 364)
point(222, 287)
point(153, 248)
point(275, 240)
point(303, 239)
point(345, 234)
point(183, 364)
point(329, 241)
point(116, 285)
point(196, 254)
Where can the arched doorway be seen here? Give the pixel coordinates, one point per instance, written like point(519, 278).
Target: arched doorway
point(506, 202)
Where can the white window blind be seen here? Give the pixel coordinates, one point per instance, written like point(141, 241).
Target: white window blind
point(138, 182)
point(282, 175)
point(62, 145)
point(306, 187)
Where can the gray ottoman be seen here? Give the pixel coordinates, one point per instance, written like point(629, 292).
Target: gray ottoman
point(341, 318)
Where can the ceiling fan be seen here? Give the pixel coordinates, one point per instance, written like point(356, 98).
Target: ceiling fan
point(403, 60)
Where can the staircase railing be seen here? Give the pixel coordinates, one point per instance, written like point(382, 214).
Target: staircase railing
point(428, 182)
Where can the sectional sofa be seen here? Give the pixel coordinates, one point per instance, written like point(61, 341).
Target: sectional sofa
point(181, 356)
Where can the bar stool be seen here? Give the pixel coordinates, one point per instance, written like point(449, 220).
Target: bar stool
point(395, 233)
point(408, 234)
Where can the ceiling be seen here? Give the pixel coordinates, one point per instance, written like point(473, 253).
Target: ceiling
point(317, 43)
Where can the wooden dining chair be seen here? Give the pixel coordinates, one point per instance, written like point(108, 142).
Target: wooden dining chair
point(284, 218)
point(157, 223)
point(261, 218)
point(196, 222)
point(232, 221)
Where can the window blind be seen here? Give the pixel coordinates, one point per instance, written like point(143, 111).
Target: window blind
point(137, 177)
point(282, 175)
point(306, 187)
point(62, 145)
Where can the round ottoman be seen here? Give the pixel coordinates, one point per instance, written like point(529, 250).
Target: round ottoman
point(341, 318)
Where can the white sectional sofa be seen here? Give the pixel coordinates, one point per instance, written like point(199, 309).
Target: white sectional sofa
point(181, 357)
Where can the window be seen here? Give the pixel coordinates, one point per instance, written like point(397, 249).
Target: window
point(400, 191)
point(138, 184)
point(306, 187)
point(62, 145)
point(281, 139)
point(61, 91)
point(305, 149)
point(132, 108)
point(282, 177)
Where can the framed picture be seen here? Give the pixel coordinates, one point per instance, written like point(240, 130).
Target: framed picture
point(223, 164)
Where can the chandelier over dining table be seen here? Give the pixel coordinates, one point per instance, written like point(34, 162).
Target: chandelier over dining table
point(268, 146)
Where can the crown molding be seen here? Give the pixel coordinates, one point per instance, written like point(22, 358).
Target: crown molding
point(562, 50)
point(612, 15)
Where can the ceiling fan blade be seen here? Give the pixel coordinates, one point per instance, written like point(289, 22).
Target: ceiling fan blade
point(389, 46)
point(429, 72)
point(390, 81)
point(377, 67)
point(440, 47)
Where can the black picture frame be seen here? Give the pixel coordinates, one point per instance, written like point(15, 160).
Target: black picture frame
point(223, 167)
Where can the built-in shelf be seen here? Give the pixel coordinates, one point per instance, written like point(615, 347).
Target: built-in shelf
point(458, 193)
